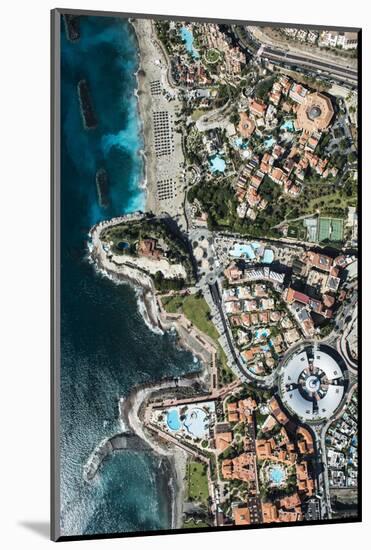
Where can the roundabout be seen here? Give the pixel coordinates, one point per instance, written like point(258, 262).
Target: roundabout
point(212, 56)
point(312, 382)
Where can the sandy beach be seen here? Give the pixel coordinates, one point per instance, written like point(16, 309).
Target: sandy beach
point(164, 168)
point(144, 75)
point(161, 168)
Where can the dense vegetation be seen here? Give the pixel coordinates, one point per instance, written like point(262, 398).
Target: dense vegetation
point(318, 196)
point(133, 231)
point(264, 87)
point(218, 200)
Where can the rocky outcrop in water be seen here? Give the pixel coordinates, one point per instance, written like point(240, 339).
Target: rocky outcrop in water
point(101, 181)
point(72, 26)
point(86, 106)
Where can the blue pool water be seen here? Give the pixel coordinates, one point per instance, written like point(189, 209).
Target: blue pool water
point(173, 420)
point(187, 36)
point(268, 143)
point(122, 245)
point(239, 250)
point(277, 475)
point(268, 256)
point(217, 164)
point(195, 422)
point(240, 143)
point(288, 125)
point(261, 333)
point(252, 251)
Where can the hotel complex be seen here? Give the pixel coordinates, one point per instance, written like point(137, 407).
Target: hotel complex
point(248, 250)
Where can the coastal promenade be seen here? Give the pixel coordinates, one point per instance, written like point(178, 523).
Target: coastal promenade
point(213, 396)
point(191, 337)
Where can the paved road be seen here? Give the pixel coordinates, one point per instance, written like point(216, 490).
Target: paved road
point(326, 503)
point(260, 381)
point(335, 71)
point(325, 65)
point(343, 345)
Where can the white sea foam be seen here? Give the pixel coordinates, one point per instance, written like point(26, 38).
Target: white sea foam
point(142, 307)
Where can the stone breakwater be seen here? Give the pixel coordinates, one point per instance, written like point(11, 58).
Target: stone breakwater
point(126, 441)
point(135, 437)
point(132, 416)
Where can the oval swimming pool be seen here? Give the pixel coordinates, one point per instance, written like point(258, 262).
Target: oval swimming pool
point(173, 420)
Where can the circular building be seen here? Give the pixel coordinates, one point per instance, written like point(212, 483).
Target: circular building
point(315, 113)
point(246, 126)
point(312, 383)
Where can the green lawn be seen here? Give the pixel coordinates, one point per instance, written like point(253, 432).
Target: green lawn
point(192, 524)
point(212, 56)
point(197, 487)
point(297, 231)
point(331, 200)
point(197, 113)
point(293, 232)
point(197, 311)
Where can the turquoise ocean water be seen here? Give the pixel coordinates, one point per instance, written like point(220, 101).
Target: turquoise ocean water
point(106, 348)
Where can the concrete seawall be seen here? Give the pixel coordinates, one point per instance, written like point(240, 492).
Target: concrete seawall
point(126, 441)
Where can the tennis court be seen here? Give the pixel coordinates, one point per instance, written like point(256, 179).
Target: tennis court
point(331, 229)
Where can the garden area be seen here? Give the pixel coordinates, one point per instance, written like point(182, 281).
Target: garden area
point(196, 482)
point(131, 232)
point(212, 56)
point(195, 308)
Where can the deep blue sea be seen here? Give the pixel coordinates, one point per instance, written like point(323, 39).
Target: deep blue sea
point(106, 348)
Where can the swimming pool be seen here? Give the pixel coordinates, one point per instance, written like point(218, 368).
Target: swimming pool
point(268, 143)
point(240, 143)
point(217, 164)
point(277, 475)
point(252, 251)
point(173, 420)
point(268, 256)
point(262, 333)
point(122, 245)
point(187, 36)
point(195, 422)
point(239, 250)
point(288, 125)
